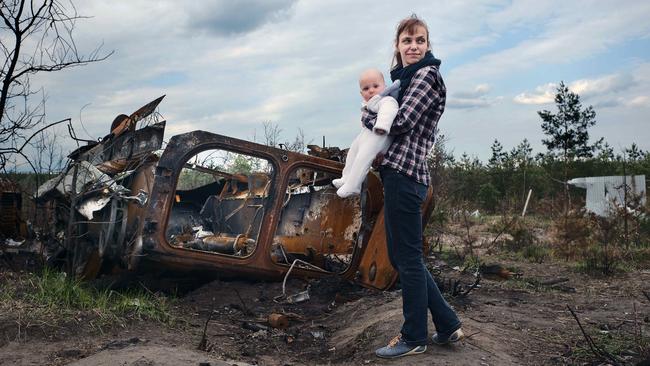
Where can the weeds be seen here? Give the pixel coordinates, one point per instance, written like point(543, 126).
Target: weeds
point(53, 296)
point(536, 253)
point(618, 346)
point(522, 239)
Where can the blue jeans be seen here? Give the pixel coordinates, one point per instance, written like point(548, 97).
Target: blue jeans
point(403, 198)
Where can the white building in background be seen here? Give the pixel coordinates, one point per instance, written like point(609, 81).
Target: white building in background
point(604, 192)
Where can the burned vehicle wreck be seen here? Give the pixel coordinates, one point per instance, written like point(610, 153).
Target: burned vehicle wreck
point(212, 204)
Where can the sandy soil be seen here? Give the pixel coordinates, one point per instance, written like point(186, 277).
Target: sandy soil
point(508, 322)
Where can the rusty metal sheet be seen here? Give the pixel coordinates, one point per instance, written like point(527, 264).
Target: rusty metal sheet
point(375, 269)
point(114, 154)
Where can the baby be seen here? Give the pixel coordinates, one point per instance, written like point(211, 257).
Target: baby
point(368, 144)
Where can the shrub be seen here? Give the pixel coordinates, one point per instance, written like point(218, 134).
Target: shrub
point(522, 235)
point(488, 196)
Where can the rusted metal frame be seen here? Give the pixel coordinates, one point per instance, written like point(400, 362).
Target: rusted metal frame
point(213, 172)
point(260, 208)
point(327, 166)
point(165, 180)
point(259, 262)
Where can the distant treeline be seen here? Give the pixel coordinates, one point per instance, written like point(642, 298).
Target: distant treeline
point(503, 182)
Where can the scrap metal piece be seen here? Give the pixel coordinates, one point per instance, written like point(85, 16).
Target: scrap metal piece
point(279, 321)
point(87, 207)
point(123, 123)
point(11, 201)
point(300, 296)
point(117, 153)
point(88, 177)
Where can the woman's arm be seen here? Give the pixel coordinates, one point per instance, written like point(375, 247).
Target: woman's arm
point(426, 89)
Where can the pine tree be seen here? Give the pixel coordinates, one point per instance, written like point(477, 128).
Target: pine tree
point(496, 161)
point(568, 130)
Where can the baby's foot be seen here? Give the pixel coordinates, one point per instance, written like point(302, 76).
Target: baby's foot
point(338, 183)
point(346, 191)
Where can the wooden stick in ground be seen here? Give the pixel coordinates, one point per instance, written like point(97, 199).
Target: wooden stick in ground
point(203, 344)
point(523, 212)
point(244, 307)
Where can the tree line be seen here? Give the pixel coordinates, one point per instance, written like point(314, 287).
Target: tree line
point(503, 182)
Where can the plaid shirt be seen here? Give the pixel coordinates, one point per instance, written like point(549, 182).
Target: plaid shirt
point(415, 125)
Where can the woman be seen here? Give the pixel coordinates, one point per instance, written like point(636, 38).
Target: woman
point(405, 177)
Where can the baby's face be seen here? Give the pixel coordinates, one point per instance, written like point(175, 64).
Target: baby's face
point(371, 84)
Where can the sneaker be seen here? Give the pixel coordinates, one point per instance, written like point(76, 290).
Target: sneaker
point(397, 347)
point(456, 336)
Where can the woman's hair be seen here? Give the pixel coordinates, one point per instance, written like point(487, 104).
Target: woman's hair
point(408, 25)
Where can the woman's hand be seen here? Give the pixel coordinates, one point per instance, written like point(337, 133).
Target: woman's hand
point(378, 159)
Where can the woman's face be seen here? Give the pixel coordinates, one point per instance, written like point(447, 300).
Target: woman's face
point(412, 47)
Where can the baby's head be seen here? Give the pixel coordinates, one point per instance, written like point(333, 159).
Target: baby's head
point(371, 83)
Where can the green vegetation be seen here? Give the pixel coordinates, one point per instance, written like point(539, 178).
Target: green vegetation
point(617, 343)
point(53, 295)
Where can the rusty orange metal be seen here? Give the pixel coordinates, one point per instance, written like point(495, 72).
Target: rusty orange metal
point(256, 213)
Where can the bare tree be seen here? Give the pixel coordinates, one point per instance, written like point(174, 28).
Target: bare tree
point(35, 36)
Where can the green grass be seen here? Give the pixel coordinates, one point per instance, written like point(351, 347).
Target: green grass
point(615, 343)
point(450, 257)
point(54, 294)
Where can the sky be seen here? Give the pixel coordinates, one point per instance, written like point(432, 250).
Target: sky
point(228, 66)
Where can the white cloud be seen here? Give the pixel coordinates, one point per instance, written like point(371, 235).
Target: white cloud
point(470, 103)
point(543, 94)
point(470, 99)
point(603, 85)
point(478, 91)
point(639, 101)
point(607, 86)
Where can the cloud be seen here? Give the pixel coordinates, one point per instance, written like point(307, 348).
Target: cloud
point(478, 91)
point(469, 103)
point(543, 94)
point(569, 34)
point(640, 101)
point(603, 85)
point(227, 17)
point(470, 99)
point(608, 103)
point(227, 66)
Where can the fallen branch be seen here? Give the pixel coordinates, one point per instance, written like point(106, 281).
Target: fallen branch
point(472, 286)
point(554, 281)
point(597, 351)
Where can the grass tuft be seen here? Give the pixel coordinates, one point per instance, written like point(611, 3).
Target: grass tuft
point(55, 293)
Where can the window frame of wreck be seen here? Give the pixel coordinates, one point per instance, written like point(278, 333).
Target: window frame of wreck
point(216, 241)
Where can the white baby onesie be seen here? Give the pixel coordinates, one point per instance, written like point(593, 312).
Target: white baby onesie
point(366, 146)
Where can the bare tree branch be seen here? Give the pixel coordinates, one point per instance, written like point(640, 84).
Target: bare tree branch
point(39, 39)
